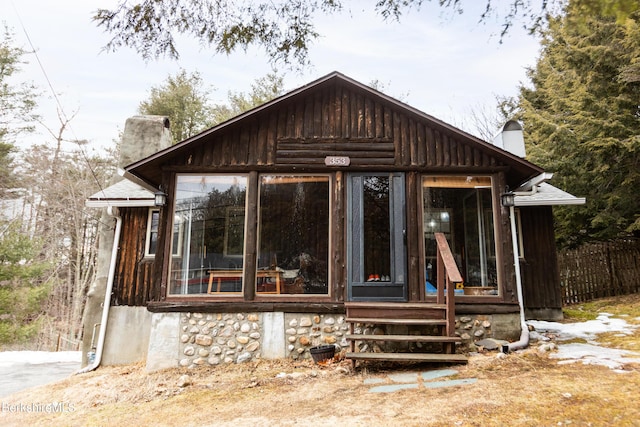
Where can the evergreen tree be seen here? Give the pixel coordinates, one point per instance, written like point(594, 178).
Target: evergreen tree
point(17, 103)
point(22, 288)
point(262, 90)
point(183, 99)
point(582, 116)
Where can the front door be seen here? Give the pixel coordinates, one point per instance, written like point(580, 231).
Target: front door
point(376, 245)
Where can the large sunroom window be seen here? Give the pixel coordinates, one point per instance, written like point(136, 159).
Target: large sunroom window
point(293, 231)
point(461, 207)
point(211, 211)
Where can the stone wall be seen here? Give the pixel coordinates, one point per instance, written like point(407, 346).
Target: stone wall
point(213, 339)
point(219, 338)
point(472, 328)
point(304, 331)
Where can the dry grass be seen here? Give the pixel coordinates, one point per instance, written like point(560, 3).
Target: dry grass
point(524, 389)
point(627, 306)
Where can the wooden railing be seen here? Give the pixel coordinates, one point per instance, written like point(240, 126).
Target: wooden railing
point(448, 277)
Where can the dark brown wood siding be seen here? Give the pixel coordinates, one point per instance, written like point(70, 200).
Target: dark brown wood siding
point(294, 134)
point(134, 278)
point(336, 120)
point(539, 267)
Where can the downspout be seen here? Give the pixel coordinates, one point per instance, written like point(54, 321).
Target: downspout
point(524, 333)
point(113, 211)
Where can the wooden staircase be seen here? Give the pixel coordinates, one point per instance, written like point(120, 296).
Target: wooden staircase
point(438, 317)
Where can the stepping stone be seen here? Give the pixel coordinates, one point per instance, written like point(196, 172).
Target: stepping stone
point(432, 375)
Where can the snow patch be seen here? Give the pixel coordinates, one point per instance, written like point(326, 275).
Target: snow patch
point(591, 352)
point(8, 358)
point(586, 330)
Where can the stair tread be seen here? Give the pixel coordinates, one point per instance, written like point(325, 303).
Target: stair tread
point(377, 320)
point(392, 305)
point(418, 357)
point(410, 338)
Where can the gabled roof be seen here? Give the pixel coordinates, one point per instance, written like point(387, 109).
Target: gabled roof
point(148, 169)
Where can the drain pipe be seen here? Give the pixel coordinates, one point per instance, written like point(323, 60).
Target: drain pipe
point(524, 334)
point(112, 211)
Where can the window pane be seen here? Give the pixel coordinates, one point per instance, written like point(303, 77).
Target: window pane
point(461, 208)
point(293, 235)
point(152, 234)
point(377, 239)
point(210, 212)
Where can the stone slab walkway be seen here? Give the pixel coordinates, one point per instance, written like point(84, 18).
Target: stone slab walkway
point(415, 380)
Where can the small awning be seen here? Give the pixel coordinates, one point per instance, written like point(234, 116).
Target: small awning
point(546, 194)
point(122, 194)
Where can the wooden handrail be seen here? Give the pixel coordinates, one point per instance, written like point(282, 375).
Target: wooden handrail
point(448, 277)
point(453, 274)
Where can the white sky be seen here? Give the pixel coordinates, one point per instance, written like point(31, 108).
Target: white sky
point(442, 63)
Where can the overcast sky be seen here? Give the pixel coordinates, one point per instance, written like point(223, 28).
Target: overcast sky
point(440, 62)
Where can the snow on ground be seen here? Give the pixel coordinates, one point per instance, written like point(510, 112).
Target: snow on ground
point(20, 370)
point(585, 330)
point(589, 352)
point(38, 357)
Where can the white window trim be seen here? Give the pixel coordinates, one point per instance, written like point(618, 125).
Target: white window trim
point(519, 234)
point(147, 241)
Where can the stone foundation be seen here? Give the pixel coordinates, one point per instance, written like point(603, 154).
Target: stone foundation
point(472, 328)
point(220, 338)
point(213, 339)
point(305, 331)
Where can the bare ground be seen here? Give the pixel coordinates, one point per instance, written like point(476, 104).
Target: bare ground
point(524, 389)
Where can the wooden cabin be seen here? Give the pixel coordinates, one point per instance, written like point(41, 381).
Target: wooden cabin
point(335, 215)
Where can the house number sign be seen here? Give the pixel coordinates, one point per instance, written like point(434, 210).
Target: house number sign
point(337, 161)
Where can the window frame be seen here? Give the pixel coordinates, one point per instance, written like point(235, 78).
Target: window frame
point(149, 232)
point(211, 295)
point(258, 235)
point(518, 220)
point(453, 182)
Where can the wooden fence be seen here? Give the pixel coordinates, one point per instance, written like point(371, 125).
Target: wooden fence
point(598, 270)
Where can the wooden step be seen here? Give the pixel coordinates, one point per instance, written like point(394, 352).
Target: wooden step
point(388, 321)
point(409, 357)
point(404, 338)
point(393, 305)
point(396, 310)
